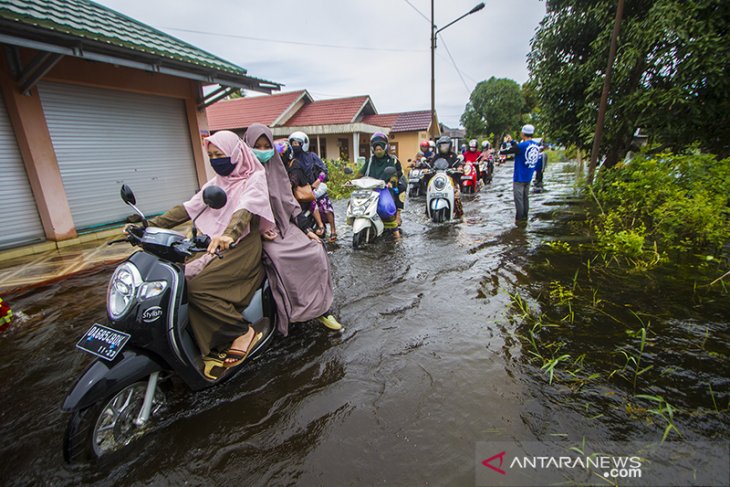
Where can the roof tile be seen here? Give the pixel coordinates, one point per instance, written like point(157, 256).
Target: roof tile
point(242, 112)
point(328, 112)
point(413, 121)
point(401, 122)
point(381, 119)
point(89, 20)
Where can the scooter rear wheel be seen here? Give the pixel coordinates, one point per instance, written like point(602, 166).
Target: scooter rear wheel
point(108, 425)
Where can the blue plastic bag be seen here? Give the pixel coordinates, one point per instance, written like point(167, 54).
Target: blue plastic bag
point(386, 205)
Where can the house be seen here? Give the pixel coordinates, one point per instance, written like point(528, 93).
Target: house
point(92, 99)
point(335, 127)
point(338, 128)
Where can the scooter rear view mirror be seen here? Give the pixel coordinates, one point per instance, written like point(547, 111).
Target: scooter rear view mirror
point(127, 195)
point(215, 197)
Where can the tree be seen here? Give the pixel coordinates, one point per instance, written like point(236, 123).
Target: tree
point(494, 106)
point(671, 73)
point(531, 107)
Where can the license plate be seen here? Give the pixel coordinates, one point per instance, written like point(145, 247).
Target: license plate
point(439, 195)
point(414, 181)
point(103, 342)
point(466, 178)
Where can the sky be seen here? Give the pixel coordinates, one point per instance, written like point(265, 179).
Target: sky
point(382, 46)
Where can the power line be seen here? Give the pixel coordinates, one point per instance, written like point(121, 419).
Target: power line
point(468, 91)
point(419, 12)
point(296, 43)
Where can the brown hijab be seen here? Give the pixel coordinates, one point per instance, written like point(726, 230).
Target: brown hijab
point(283, 204)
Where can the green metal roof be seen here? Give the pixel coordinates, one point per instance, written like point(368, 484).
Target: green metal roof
point(88, 20)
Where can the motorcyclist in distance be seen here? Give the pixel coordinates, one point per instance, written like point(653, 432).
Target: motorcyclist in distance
point(444, 151)
point(472, 155)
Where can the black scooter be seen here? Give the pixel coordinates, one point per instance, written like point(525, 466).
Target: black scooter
point(147, 339)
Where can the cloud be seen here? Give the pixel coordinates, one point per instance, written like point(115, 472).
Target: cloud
point(492, 42)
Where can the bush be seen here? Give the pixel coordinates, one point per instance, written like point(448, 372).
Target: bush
point(336, 188)
point(676, 202)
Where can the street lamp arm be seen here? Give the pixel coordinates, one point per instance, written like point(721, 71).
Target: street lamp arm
point(474, 10)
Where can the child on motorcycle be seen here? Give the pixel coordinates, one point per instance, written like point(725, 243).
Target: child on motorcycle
point(310, 166)
point(375, 168)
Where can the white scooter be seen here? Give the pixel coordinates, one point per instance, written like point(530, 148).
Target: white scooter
point(440, 193)
point(362, 211)
point(417, 178)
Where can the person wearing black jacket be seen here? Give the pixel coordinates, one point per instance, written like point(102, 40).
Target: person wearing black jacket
point(444, 151)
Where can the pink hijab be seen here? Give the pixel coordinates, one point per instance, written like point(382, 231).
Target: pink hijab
point(245, 187)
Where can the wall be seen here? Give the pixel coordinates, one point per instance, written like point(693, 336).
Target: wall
point(407, 146)
point(31, 131)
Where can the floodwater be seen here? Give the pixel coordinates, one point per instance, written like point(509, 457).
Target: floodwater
point(432, 361)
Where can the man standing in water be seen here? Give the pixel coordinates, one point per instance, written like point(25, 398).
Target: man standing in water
point(526, 155)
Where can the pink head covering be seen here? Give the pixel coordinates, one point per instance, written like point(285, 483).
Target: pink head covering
point(245, 188)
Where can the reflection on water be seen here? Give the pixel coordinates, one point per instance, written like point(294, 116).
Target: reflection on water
point(431, 361)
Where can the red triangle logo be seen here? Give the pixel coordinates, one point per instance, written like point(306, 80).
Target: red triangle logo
point(487, 462)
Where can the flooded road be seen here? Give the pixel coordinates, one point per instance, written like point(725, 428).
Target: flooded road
point(431, 362)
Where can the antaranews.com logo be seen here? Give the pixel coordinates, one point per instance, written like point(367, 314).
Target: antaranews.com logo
point(603, 463)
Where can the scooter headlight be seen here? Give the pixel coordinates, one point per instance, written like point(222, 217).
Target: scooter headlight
point(439, 183)
point(122, 290)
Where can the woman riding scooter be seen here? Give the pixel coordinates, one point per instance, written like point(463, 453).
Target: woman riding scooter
point(294, 257)
point(218, 289)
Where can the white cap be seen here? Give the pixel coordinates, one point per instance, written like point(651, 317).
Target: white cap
point(528, 129)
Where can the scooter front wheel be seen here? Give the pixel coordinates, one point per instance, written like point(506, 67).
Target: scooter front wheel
point(360, 238)
point(109, 424)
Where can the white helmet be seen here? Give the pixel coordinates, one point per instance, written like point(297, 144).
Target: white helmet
point(485, 144)
point(473, 144)
point(432, 145)
point(302, 138)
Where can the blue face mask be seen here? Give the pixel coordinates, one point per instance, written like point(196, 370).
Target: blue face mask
point(222, 165)
point(263, 155)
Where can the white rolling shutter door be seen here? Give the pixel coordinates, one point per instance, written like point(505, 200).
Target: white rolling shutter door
point(20, 223)
point(105, 138)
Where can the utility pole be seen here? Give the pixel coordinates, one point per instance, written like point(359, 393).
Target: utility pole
point(604, 95)
point(433, 74)
point(434, 33)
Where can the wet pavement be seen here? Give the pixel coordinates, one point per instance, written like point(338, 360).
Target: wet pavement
point(428, 365)
point(47, 267)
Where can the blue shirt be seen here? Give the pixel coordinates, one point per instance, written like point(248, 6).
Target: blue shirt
point(526, 160)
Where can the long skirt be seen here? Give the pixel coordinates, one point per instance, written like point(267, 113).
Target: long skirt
point(220, 292)
point(299, 276)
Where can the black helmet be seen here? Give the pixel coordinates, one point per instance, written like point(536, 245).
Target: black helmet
point(443, 140)
point(379, 138)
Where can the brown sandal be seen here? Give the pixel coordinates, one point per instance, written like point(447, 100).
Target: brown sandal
point(240, 355)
